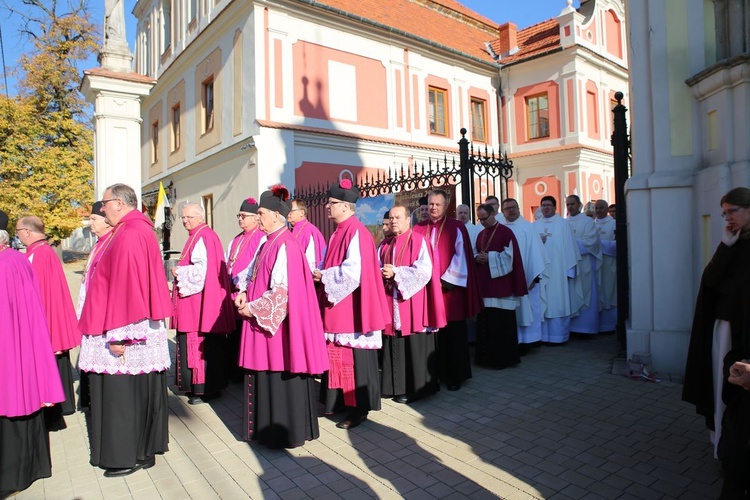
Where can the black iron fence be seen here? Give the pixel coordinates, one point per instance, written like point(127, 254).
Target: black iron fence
point(621, 149)
point(477, 173)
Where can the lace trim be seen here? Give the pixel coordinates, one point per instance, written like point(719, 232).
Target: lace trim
point(270, 309)
point(190, 280)
point(409, 281)
point(151, 355)
point(369, 340)
point(81, 301)
point(134, 332)
point(337, 284)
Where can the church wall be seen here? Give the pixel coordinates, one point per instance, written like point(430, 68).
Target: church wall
point(230, 178)
point(319, 56)
point(689, 149)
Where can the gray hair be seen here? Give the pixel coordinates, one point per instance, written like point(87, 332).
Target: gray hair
point(4, 237)
point(194, 206)
point(124, 193)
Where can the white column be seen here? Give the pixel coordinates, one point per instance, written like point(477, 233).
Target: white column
point(117, 126)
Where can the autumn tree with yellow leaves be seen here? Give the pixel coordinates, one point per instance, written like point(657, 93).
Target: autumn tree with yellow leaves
point(46, 138)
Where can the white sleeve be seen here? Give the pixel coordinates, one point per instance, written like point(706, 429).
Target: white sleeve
point(411, 279)
point(310, 254)
point(458, 271)
point(501, 263)
point(340, 281)
point(192, 278)
point(609, 248)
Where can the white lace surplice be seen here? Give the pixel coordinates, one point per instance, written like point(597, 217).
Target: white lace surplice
point(271, 308)
point(409, 280)
point(339, 282)
point(192, 278)
point(146, 351)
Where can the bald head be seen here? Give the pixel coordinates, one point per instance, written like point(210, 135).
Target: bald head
point(30, 229)
point(33, 223)
point(463, 213)
point(601, 209)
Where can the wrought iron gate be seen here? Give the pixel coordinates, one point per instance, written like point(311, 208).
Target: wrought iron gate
point(476, 173)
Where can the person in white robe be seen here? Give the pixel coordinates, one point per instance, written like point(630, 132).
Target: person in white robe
point(463, 214)
point(605, 225)
point(561, 292)
point(588, 275)
point(529, 312)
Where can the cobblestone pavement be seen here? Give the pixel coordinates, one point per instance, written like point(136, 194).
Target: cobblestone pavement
point(558, 426)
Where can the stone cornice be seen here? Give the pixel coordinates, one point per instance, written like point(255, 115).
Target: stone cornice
point(722, 75)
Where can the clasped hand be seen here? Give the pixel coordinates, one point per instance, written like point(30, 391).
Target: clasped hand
point(242, 306)
point(387, 271)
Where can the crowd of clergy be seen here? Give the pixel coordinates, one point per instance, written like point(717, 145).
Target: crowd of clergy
point(278, 309)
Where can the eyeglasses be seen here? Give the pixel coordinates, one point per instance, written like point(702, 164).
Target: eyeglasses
point(23, 229)
point(482, 219)
point(514, 207)
point(104, 202)
point(189, 217)
point(331, 203)
point(730, 211)
point(244, 216)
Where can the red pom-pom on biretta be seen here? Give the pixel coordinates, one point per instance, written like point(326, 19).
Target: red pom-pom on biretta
point(280, 191)
point(345, 184)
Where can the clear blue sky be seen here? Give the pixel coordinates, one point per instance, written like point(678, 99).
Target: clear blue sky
point(523, 13)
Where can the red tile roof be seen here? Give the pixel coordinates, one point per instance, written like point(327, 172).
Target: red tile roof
point(533, 41)
point(444, 22)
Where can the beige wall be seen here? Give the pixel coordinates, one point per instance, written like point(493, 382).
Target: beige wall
point(230, 182)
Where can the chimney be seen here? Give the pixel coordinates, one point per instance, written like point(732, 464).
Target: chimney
point(507, 37)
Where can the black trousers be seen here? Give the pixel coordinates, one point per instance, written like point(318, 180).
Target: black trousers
point(214, 355)
point(497, 339)
point(409, 365)
point(129, 418)
point(280, 409)
point(367, 380)
point(453, 353)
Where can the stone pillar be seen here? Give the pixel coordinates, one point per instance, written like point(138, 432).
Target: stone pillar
point(117, 126)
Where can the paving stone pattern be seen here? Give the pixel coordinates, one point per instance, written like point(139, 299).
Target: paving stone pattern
point(559, 426)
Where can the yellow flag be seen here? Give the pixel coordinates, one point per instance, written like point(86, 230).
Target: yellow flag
point(161, 202)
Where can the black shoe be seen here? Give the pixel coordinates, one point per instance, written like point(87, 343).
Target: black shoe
point(454, 387)
point(145, 464)
point(352, 421)
point(195, 400)
point(403, 399)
